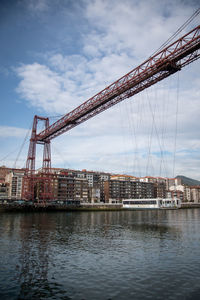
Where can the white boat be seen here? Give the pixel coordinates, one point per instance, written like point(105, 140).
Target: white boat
point(155, 203)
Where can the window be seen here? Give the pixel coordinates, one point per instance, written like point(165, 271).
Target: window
point(144, 202)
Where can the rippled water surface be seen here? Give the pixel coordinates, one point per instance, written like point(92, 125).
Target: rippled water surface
point(100, 255)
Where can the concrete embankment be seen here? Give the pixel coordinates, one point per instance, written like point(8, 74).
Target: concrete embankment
point(190, 205)
point(22, 206)
point(27, 207)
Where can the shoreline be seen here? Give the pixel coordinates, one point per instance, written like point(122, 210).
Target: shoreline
point(59, 207)
point(13, 207)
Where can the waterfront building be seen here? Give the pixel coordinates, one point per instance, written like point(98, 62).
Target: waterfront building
point(4, 190)
point(116, 190)
point(187, 194)
point(175, 194)
point(95, 195)
point(95, 184)
point(160, 189)
point(95, 187)
point(95, 178)
point(153, 179)
point(185, 190)
point(69, 188)
point(94, 181)
point(14, 180)
point(3, 172)
point(160, 184)
point(173, 182)
point(123, 177)
point(195, 194)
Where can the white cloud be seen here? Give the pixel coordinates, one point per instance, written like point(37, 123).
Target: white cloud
point(39, 85)
point(8, 131)
point(137, 27)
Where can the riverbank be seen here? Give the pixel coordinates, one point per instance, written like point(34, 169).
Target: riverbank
point(190, 205)
point(27, 207)
point(34, 207)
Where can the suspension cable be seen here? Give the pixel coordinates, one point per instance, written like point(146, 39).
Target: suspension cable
point(176, 126)
point(22, 145)
point(181, 28)
point(7, 155)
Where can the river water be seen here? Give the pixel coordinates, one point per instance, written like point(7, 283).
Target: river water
point(100, 255)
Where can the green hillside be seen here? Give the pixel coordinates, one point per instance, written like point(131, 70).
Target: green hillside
point(188, 181)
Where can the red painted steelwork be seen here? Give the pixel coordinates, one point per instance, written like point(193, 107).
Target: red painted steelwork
point(38, 186)
point(164, 63)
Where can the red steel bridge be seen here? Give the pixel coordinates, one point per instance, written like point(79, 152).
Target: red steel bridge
point(156, 68)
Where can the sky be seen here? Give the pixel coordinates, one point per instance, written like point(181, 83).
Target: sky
point(56, 54)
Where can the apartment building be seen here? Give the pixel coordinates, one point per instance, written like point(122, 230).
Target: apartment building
point(116, 190)
point(195, 194)
point(71, 188)
point(95, 195)
point(123, 177)
point(95, 178)
point(185, 190)
point(159, 185)
point(95, 183)
point(14, 180)
point(172, 182)
point(3, 172)
point(175, 194)
point(4, 190)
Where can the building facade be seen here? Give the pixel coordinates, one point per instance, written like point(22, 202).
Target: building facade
point(195, 194)
point(3, 172)
point(14, 180)
point(117, 190)
point(4, 188)
point(68, 188)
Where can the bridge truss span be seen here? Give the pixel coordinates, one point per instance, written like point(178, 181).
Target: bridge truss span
point(164, 63)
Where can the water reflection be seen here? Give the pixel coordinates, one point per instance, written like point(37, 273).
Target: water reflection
point(100, 255)
point(35, 231)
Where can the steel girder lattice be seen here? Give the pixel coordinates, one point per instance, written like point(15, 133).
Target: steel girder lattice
point(163, 64)
point(38, 186)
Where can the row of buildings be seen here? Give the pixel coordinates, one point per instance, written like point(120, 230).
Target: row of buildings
point(94, 187)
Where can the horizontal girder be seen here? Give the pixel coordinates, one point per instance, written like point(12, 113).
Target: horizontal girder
point(164, 63)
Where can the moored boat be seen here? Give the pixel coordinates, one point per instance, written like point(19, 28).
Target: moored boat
point(155, 203)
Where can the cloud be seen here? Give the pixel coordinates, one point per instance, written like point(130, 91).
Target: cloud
point(136, 27)
point(67, 81)
point(8, 131)
point(37, 6)
point(40, 86)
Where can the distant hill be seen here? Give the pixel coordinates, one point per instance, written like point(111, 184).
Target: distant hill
point(188, 181)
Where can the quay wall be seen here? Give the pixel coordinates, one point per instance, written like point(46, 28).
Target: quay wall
point(190, 205)
point(27, 207)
